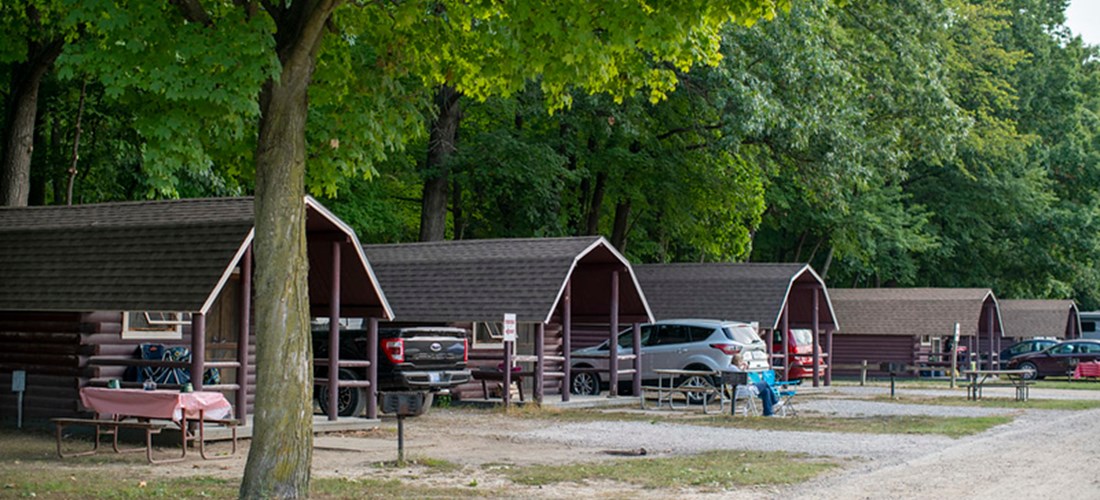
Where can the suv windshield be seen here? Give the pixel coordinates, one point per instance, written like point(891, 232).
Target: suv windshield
point(743, 334)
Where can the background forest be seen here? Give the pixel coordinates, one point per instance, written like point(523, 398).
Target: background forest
point(886, 142)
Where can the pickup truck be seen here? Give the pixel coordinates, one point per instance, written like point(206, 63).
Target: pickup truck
point(430, 359)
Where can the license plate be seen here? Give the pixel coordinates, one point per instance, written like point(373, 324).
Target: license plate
point(433, 376)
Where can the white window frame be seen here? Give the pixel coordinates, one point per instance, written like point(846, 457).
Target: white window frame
point(926, 340)
point(166, 327)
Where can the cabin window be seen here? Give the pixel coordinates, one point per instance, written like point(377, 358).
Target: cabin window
point(154, 325)
point(926, 340)
point(490, 335)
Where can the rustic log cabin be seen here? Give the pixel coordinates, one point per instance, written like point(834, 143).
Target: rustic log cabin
point(550, 284)
point(777, 297)
point(83, 287)
point(915, 327)
point(1025, 319)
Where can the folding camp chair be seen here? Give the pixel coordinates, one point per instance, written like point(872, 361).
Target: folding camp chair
point(785, 390)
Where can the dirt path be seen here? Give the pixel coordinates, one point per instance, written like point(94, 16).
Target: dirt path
point(1051, 457)
point(1041, 454)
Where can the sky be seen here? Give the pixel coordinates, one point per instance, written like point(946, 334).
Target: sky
point(1083, 18)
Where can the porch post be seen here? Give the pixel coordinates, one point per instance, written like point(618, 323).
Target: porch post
point(784, 340)
point(198, 349)
point(816, 324)
point(637, 389)
point(613, 345)
point(989, 325)
point(829, 349)
point(245, 331)
point(540, 360)
point(334, 336)
point(372, 370)
point(769, 340)
point(567, 339)
point(974, 350)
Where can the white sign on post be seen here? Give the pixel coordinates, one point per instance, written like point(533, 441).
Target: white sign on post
point(509, 328)
point(18, 381)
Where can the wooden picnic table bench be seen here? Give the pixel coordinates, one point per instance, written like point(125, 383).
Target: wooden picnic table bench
point(977, 379)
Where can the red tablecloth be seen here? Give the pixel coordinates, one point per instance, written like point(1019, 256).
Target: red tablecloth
point(1087, 369)
point(155, 404)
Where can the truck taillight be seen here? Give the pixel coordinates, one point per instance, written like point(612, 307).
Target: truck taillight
point(727, 349)
point(465, 350)
point(395, 350)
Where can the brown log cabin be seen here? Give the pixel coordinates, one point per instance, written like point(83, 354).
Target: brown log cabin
point(554, 286)
point(777, 297)
point(82, 287)
point(915, 327)
point(1025, 319)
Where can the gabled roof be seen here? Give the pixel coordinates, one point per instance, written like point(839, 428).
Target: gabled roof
point(727, 291)
point(911, 311)
point(1038, 318)
point(170, 255)
point(480, 280)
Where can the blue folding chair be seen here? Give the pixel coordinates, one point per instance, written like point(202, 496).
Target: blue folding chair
point(784, 390)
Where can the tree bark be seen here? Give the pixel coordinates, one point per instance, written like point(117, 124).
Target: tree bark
point(619, 230)
point(441, 143)
point(76, 143)
point(592, 225)
point(281, 453)
point(22, 107)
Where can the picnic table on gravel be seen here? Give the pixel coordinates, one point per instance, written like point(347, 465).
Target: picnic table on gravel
point(712, 387)
point(977, 379)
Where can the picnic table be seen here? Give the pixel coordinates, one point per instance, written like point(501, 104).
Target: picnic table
point(138, 408)
point(981, 378)
point(1086, 369)
point(712, 388)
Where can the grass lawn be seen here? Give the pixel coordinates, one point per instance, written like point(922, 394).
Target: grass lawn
point(1031, 404)
point(916, 383)
point(30, 468)
point(716, 469)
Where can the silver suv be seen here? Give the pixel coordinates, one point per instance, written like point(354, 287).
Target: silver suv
point(677, 344)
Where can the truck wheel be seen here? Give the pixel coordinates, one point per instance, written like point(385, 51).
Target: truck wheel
point(351, 401)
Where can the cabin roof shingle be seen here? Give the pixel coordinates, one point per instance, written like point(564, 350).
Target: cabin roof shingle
point(728, 291)
point(155, 255)
point(909, 311)
point(478, 280)
point(1037, 318)
point(168, 255)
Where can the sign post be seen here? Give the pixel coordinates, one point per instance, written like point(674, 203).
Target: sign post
point(509, 344)
point(18, 386)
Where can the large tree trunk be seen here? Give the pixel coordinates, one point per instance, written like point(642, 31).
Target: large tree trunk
point(22, 109)
point(281, 453)
point(621, 227)
point(441, 143)
point(592, 219)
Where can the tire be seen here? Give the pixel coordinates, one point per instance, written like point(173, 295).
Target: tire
point(1027, 365)
point(694, 398)
point(584, 383)
point(351, 400)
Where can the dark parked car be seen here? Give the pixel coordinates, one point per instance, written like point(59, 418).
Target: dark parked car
point(427, 359)
point(1025, 346)
point(1057, 360)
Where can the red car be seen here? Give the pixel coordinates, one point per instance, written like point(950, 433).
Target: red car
point(1058, 360)
point(800, 353)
